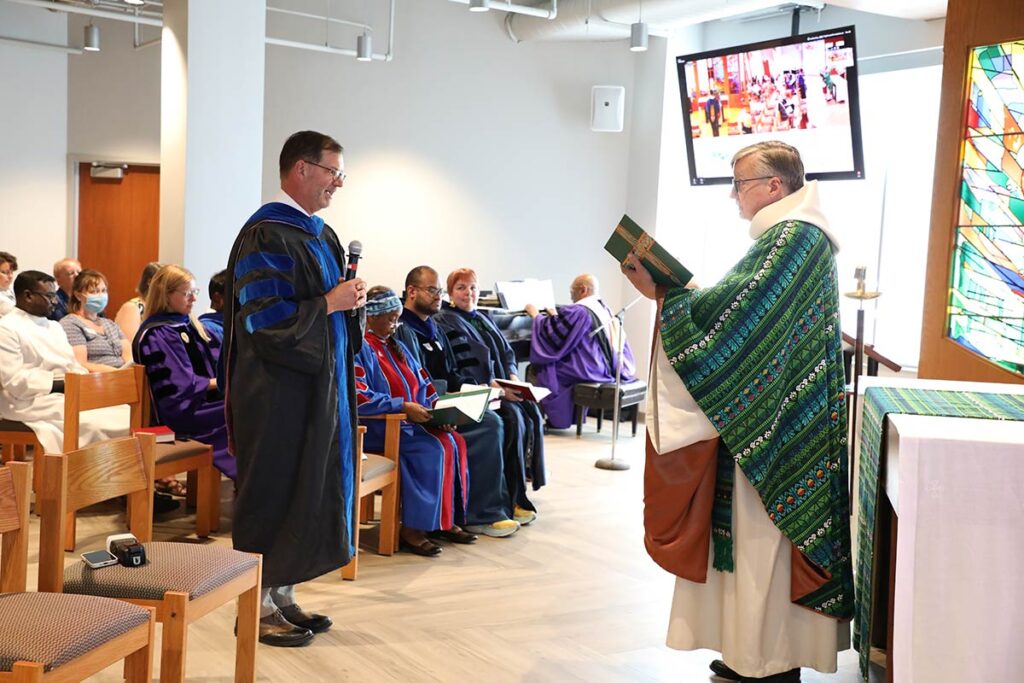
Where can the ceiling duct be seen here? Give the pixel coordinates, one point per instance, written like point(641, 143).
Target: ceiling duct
point(611, 19)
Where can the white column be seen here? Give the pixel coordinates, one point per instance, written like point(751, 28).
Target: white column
point(211, 131)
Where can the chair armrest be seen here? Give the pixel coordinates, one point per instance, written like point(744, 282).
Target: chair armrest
point(392, 434)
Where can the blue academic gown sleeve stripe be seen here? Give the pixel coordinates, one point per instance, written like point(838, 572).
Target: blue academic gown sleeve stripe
point(263, 259)
point(271, 315)
point(259, 289)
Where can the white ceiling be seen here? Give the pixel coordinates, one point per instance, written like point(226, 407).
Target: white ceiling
point(905, 9)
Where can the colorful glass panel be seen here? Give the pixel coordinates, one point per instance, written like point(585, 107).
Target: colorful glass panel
point(986, 306)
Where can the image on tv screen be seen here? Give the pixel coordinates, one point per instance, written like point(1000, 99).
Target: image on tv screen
point(801, 90)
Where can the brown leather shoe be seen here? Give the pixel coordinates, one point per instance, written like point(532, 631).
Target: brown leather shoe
point(277, 631)
point(455, 535)
point(317, 623)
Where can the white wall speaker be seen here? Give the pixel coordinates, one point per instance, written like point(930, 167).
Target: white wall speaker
point(607, 108)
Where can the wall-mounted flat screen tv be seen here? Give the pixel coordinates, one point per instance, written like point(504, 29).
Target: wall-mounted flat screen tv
point(801, 90)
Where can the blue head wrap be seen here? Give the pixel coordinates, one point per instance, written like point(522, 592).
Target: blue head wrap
point(382, 303)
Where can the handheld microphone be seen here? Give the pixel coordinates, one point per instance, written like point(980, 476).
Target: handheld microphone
point(355, 252)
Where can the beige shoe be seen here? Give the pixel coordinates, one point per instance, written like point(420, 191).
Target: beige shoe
point(523, 516)
point(500, 529)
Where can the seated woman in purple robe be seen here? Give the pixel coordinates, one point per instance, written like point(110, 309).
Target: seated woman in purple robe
point(565, 351)
point(180, 357)
point(435, 479)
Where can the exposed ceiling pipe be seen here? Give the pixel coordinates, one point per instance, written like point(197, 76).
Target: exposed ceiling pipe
point(525, 10)
point(147, 19)
point(611, 19)
point(319, 17)
point(67, 49)
point(348, 52)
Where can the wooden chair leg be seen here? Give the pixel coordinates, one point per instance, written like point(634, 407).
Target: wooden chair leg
point(207, 485)
point(366, 509)
point(174, 642)
point(388, 520)
point(248, 631)
point(138, 666)
point(69, 532)
point(7, 454)
point(19, 452)
point(350, 570)
point(27, 672)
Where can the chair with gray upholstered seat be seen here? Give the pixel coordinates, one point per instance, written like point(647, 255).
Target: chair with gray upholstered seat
point(183, 581)
point(48, 637)
point(377, 473)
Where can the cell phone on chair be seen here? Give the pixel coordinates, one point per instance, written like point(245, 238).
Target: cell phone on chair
point(95, 559)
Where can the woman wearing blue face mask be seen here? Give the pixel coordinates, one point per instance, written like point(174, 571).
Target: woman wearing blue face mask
point(98, 342)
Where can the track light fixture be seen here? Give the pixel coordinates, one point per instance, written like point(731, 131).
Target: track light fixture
point(135, 2)
point(364, 47)
point(92, 38)
point(479, 5)
point(638, 37)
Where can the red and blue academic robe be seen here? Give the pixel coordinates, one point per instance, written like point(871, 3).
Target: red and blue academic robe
point(489, 499)
point(481, 355)
point(564, 351)
point(179, 365)
point(435, 477)
point(286, 371)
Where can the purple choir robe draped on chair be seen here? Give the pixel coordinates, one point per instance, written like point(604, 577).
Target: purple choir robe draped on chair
point(564, 352)
point(180, 364)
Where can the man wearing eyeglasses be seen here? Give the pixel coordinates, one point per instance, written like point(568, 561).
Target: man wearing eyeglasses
point(34, 358)
point(489, 508)
point(746, 482)
point(291, 328)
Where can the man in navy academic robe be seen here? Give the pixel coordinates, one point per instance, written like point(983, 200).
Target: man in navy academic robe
point(289, 341)
point(565, 351)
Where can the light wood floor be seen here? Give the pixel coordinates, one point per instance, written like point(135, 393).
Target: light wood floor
point(573, 597)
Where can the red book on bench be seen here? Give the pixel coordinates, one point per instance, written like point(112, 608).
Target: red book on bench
point(163, 434)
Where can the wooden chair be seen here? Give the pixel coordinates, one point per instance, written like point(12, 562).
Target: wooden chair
point(182, 581)
point(378, 473)
point(48, 637)
point(196, 460)
point(15, 436)
point(128, 386)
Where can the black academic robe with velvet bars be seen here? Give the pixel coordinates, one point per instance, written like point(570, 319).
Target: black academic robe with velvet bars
point(287, 375)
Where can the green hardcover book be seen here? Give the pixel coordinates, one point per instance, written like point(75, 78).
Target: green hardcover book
point(663, 267)
point(459, 409)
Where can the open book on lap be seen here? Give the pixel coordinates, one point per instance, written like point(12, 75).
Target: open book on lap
point(529, 392)
point(459, 409)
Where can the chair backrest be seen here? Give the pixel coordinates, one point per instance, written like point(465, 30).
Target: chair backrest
point(98, 472)
point(14, 500)
point(101, 390)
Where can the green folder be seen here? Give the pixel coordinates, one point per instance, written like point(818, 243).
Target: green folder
point(663, 267)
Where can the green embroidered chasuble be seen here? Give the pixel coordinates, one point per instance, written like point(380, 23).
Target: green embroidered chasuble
point(761, 353)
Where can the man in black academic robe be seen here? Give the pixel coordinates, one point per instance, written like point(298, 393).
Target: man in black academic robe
point(489, 509)
point(289, 341)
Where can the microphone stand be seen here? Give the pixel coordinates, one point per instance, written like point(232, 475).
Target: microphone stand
point(611, 463)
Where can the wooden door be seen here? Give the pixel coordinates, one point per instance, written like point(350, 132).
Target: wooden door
point(118, 227)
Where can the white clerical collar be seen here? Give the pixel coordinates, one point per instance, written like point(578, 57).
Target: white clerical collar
point(285, 198)
point(802, 205)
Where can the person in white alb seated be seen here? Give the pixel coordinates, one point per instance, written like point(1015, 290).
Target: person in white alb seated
point(35, 356)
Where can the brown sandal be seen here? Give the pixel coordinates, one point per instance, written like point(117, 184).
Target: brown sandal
point(171, 487)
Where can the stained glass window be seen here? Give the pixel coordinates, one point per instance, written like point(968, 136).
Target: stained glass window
point(986, 307)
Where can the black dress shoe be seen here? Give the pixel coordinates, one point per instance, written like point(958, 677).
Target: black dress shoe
point(719, 668)
point(317, 623)
point(277, 631)
point(424, 548)
point(455, 536)
point(791, 676)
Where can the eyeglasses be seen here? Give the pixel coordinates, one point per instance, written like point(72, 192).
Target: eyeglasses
point(52, 296)
point(338, 174)
point(188, 293)
point(737, 181)
point(432, 291)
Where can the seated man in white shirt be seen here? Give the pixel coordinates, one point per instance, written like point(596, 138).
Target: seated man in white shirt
point(34, 358)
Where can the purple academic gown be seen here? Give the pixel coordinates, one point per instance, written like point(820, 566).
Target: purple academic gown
point(564, 352)
point(179, 364)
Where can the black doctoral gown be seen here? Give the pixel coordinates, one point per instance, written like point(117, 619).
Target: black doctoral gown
point(483, 354)
point(287, 374)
